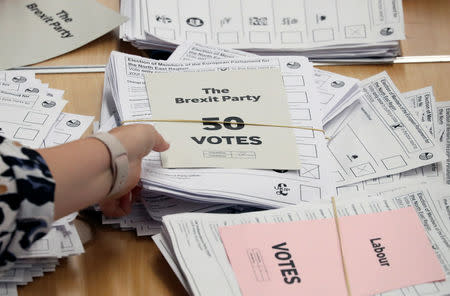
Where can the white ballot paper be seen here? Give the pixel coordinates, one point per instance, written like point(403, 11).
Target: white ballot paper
point(381, 136)
point(422, 104)
point(27, 118)
point(68, 127)
point(234, 98)
point(193, 244)
point(193, 51)
point(52, 27)
point(443, 135)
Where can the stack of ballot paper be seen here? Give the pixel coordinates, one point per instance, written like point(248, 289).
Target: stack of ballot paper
point(393, 242)
point(146, 214)
point(30, 113)
point(360, 139)
point(357, 116)
point(328, 31)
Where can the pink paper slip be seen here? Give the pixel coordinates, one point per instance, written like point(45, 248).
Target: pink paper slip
point(382, 252)
point(386, 251)
point(297, 258)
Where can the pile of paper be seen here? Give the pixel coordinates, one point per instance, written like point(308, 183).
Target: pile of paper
point(327, 31)
point(358, 116)
point(375, 141)
point(30, 113)
point(193, 248)
point(147, 213)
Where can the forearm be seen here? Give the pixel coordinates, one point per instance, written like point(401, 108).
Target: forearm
point(82, 174)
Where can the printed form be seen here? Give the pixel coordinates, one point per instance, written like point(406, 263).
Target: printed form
point(443, 135)
point(27, 118)
point(274, 24)
point(193, 240)
point(68, 127)
point(422, 103)
point(381, 117)
point(269, 188)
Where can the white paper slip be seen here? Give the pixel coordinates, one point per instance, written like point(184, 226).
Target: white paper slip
point(26, 118)
point(193, 51)
point(146, 229)
point(69, 241)
point(381, 136)
point(333, 90)
point(423, 105)
point(32, 86)
point(17, 77)
point(223, 97)
point(443, 135)
point(422, 102)
point(68, 127)
point(47, 246)
point(55, 93)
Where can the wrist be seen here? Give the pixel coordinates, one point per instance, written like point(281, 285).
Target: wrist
point(118, 162)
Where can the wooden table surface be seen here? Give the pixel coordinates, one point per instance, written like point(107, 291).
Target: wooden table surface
point(120, 263)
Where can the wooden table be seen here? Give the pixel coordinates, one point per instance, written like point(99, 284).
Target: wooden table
point(120, 263)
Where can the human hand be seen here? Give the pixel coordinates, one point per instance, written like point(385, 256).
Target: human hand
point(138, 140)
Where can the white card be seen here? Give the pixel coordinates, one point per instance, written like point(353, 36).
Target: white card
point(250, 96)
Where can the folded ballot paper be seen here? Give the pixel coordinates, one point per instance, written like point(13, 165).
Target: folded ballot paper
point(30, 113)
point(348, 30)
point(395, 241)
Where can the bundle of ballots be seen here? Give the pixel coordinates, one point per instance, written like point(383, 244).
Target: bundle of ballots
point(364, 122)
point(327, 31)
point(31, 115)
point(356, 116)
point(361, 139)
point(393, 242)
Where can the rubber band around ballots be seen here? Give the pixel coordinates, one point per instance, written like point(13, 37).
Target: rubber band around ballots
point(338, 229)
point(222, 122)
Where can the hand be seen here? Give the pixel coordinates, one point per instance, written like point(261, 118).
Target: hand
point(118, 207)
point(138, 140)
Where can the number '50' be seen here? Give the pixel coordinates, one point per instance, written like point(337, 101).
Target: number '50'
point(231, 123)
